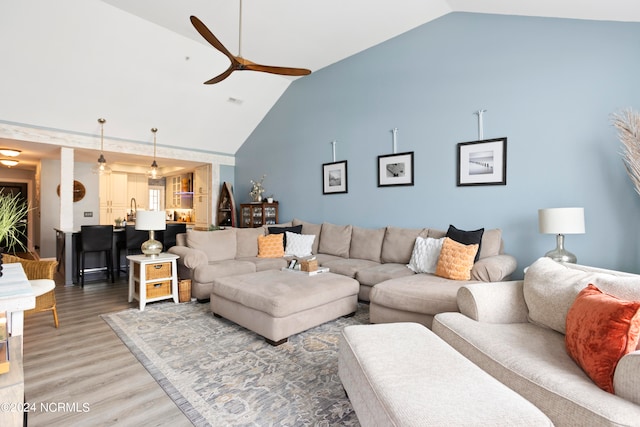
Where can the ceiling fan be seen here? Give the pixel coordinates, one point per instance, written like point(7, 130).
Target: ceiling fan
point(238, 63)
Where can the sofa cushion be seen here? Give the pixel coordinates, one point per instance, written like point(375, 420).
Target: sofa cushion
point(262, 264)
point(625, 379)
point(219, 245)
point(550, 289)
point(381, 272)
point(491, 244)
point(310, 228)
point(426, 252)
point(600, 330)
point(398, 243)
point(247, 241)
point(349, 267)
point(208, 273)
point(270, 246)
point(335, 240)
point(366, 243)
point(456, 260)
point(467, 238)
point(418, 293)
point(299, 245)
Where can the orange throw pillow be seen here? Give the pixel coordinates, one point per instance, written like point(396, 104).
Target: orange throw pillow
point(600, 330)
point(271, 246)
point(456, 260)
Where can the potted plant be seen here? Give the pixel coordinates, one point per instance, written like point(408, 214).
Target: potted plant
point(13, 210)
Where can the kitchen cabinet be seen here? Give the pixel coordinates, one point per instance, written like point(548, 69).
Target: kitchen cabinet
point(179, 190)
point(113, 197)
point(138, 188)
point(202, 197)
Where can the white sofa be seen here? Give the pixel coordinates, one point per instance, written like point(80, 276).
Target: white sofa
point(516, 332)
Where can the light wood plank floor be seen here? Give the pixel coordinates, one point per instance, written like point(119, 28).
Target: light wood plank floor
point(83, 362)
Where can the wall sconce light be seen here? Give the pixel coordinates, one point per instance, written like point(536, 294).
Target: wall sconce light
point(9, 162)
point(101, 168)
point(9, 152)
point(153, 172)
point(561, 221)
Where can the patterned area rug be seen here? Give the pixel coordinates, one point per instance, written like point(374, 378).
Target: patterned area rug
point(221, 374)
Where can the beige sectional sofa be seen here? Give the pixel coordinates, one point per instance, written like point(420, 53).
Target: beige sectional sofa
point(374, 257)
point(516, 332)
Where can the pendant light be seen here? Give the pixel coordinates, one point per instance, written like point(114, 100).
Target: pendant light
point(153, 172)
point(101, 168)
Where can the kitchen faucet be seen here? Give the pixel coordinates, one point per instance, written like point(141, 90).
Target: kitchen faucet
point(133, 207)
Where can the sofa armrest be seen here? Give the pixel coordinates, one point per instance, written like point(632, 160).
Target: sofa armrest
point(626, 378)
point(189, 257)
point(497, 302)
point(494, 268)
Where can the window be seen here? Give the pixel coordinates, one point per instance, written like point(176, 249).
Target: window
point(156, 198)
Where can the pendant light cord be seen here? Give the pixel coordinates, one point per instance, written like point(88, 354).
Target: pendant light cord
point(154, 130)
point(101, 121)
point(240, 31)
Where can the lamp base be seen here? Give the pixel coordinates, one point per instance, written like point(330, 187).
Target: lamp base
point(152, 247)
point(560, 254)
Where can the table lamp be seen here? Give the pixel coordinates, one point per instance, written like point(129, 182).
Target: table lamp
point(561, 221)
point(152, 221)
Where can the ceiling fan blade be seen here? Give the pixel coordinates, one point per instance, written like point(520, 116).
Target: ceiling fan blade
point(208, 36)
point(222, 76)
point(286, 71)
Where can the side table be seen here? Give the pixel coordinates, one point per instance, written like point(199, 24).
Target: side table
point(153, 278)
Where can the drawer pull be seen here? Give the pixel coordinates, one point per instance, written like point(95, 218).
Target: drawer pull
point(157, 285)
point(157, 266)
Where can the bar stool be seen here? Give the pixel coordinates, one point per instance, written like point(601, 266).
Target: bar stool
point(132, 243)
point(95, 238)
point(169, 235)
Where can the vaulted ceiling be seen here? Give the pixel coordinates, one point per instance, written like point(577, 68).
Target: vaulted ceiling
point(141, 64)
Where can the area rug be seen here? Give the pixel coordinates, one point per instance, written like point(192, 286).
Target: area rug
point(221, 374)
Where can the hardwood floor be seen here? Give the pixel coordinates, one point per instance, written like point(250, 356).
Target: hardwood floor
point(81, 374)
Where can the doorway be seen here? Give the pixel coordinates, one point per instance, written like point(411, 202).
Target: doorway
point(14, 188)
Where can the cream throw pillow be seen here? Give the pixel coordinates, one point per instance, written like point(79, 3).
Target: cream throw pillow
point(426, 252)
point(299, 245)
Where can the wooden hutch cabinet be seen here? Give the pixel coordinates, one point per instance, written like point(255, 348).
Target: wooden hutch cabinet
point(258, 214)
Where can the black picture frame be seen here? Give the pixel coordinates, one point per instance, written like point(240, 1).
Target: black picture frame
point(334, 178)
point(395, 169)
point(482, 162)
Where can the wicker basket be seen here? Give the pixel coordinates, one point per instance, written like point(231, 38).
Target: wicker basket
point(310, 265)
point(184, 290)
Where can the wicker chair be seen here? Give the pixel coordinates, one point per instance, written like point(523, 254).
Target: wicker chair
point(39, 273)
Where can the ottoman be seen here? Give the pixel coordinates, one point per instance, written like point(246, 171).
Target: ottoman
point(402, 374)
point(277, 304)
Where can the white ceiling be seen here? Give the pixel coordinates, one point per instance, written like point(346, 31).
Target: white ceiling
point(314, 34)
point(295, 33)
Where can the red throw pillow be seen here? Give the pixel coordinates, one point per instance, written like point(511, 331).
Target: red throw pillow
point(600, 330)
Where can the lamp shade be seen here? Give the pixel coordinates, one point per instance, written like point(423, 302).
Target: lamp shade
point(151, 220)
point(561, 221)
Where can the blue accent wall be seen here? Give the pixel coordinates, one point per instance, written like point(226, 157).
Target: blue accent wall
point(548, 85)
point(227, 174)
